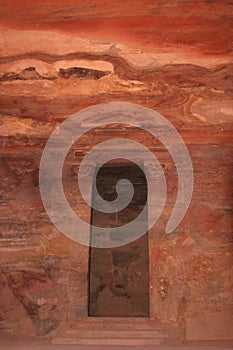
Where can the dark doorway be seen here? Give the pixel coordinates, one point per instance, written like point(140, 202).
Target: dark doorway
point(119, 276)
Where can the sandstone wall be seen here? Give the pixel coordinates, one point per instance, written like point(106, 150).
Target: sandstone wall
point(57, 58)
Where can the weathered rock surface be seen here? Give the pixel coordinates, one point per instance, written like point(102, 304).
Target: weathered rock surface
point(58, 57)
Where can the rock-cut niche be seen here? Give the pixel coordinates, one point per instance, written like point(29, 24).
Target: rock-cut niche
point(119, 276)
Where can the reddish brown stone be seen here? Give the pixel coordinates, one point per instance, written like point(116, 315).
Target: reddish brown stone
point(58, 57)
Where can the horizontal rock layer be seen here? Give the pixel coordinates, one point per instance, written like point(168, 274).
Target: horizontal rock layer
point(57, 58)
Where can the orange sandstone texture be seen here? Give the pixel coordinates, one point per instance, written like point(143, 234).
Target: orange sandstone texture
point(58, 57)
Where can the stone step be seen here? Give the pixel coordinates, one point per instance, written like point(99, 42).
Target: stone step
point(120, 323)
point(116, 326)
point(113, 333)
point(108, 341)
point(120, 319)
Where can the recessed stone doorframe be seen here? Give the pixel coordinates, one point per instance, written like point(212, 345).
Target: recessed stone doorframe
point(78, 307)
point(166, 290)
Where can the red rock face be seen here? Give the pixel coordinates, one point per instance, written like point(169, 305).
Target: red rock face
point(57, 58)
point(140, 23)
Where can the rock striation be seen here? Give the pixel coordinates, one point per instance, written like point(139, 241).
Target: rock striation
point(58, 57)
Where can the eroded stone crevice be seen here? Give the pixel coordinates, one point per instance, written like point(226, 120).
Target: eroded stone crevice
point(77, 72)
point(182, 75)
point(30, 73)
point(27, 287)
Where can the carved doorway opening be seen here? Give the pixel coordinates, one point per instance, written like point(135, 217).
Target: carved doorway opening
point(119, 276)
